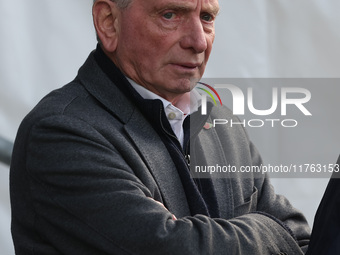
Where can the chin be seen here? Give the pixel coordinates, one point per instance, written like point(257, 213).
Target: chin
point(186, 85)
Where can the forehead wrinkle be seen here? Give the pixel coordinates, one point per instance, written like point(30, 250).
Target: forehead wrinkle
point(187, 6)
point(183, 7)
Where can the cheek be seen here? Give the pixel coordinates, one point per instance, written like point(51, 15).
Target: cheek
point(146, 47)
point(210, 40)
point(208, 50)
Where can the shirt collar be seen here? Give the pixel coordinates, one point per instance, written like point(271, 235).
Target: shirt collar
point(188, 103)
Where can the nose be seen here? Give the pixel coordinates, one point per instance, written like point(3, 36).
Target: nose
point(194, 36)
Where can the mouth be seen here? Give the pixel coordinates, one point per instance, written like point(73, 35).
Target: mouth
point(188, 66)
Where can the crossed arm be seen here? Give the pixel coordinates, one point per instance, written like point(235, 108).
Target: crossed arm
point(88, 200)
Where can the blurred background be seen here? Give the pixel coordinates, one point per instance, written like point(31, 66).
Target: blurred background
point(44, 42)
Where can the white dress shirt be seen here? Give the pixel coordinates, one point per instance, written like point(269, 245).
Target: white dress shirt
point(176, 115)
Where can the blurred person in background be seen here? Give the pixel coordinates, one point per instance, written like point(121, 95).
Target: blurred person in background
point(325, 238)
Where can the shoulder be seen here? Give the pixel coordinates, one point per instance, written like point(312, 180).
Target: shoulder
point(57, 102)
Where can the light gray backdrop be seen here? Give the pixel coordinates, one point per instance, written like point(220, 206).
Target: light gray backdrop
point(43, 43)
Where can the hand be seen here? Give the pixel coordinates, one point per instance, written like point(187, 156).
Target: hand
point(173, 216)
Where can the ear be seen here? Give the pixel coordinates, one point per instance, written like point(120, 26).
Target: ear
point(106, 16)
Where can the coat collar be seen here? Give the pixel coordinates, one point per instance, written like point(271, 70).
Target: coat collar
point(103, 87)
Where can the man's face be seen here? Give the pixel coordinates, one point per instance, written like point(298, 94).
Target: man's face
point(164, 45)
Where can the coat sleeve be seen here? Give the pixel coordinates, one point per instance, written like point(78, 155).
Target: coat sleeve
point(278, 208)
point(87, 200)
point(253, 192)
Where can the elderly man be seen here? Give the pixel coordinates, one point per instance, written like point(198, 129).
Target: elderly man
point(101, 166)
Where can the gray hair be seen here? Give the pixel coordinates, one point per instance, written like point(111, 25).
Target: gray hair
point(122, 4)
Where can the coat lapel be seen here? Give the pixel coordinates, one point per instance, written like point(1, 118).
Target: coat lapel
point(212, 155)
point(159, 163)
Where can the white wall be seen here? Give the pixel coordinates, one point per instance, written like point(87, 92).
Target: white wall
point(43, 43)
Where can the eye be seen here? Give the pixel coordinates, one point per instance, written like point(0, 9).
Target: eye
point(207, 17)
point(169, 15)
